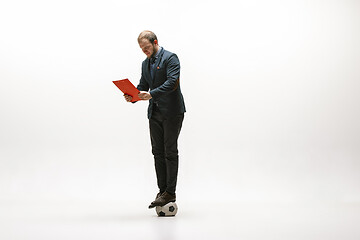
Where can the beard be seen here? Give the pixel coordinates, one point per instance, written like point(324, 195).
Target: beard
point(154, 50)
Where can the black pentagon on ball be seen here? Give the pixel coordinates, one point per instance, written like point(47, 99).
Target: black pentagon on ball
point(171, 208)
point(162, 214)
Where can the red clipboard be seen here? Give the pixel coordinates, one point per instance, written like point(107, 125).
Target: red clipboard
point(128, 88)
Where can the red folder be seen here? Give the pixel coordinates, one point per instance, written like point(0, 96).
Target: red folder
point(128, 88)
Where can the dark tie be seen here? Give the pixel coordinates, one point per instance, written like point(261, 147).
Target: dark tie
point(152, 67)
point(152, 60)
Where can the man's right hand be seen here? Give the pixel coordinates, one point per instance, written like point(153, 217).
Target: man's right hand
point(128, 98)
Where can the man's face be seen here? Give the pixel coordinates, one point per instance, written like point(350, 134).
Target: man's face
point(147, 47)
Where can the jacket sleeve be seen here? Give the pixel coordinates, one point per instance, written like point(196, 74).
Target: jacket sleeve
point(172, 78)
point(143, 85)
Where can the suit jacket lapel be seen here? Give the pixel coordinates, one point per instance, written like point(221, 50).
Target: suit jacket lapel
point(158, 60)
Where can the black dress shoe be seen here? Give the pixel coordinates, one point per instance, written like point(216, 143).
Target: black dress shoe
point(163, 199)
point(158, 195)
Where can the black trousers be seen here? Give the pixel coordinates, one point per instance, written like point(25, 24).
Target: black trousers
point(164, 133)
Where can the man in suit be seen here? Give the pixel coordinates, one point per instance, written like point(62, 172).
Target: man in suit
point(160, 84)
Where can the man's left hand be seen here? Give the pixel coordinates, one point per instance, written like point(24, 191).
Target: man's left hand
point(143, 95)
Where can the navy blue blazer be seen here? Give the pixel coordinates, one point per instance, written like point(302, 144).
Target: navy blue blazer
point(165, 84)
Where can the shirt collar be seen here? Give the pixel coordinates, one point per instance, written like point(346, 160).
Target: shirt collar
point(153, 59)
point(158, 52)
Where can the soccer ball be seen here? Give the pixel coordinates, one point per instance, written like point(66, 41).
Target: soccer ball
point(169, 209)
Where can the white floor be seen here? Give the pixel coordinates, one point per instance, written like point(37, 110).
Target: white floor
point(128, 221)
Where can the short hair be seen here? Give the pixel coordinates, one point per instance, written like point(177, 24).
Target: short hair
point(149, 35)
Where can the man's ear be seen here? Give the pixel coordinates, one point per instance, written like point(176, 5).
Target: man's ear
point(155, 41)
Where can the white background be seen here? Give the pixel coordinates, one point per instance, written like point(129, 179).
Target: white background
point(271, 90)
